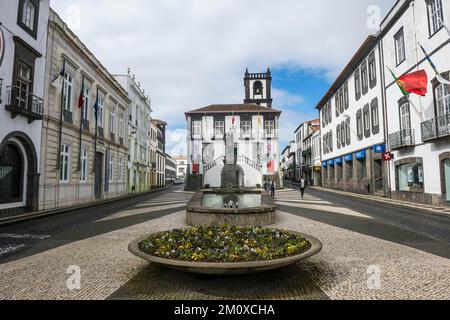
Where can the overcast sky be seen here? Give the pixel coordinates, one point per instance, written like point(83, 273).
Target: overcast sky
point(193, 53)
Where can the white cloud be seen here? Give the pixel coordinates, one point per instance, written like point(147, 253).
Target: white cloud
point(192, 53)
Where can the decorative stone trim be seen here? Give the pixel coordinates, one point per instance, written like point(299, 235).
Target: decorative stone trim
point(408, 160)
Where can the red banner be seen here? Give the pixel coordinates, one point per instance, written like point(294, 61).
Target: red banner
point(195, 168)
point(271, 167)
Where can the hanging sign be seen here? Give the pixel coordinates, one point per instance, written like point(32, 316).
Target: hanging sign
point(379, 148)
point(360, 155)
point(2, 45)
point(388, 156)
point(348, 158)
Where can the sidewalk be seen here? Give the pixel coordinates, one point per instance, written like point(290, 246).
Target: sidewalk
point(445, 211)
point(24, 217)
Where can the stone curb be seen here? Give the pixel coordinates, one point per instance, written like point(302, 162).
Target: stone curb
point(389, 201)
point(53, 212)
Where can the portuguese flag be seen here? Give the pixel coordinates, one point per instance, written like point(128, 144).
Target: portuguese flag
point(416, 82)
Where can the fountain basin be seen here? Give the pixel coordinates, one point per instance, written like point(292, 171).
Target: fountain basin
point(204, 210)
point(238, 268)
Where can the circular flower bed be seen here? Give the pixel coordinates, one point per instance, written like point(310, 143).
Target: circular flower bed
point(224, 244)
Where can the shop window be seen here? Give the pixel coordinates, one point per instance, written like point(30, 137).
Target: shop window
point(410, 177)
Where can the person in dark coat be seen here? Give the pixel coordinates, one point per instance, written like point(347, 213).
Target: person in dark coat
point(272, 188)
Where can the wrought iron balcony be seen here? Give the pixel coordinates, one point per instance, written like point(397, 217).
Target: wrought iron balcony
point(24, 103)
point(436, 128)
point(402, 139)
point(307, 153)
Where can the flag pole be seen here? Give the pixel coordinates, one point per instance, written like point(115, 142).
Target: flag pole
point(81, 124)
point(58, 161)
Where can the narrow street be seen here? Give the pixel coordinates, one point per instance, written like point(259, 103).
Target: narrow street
point(409, 248)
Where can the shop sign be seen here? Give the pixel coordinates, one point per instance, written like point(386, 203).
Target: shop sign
point(360, 155)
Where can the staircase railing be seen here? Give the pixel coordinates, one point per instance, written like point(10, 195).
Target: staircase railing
point(250, 163)
point(211, 165)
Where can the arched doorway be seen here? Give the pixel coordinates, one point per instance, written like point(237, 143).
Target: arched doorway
point(19, 177)
point(11, 174)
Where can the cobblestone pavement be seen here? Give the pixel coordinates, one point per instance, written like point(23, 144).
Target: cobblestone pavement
point(411, 251)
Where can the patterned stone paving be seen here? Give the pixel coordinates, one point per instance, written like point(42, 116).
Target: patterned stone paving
point(410, 269)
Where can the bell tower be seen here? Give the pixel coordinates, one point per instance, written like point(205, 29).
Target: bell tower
point(258, 88)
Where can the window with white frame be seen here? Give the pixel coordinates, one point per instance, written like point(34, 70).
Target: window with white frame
point(112, 120)
point(197, 128)
point(270, 127)
point(366, 121)
point(121, 125)
point(86, 105)
point(219, 128)
point(67, 93)
point(28, 12)
point(405, 117)
point(400, 50)
point(246, 127)
point(375, 117)
point(64, 172)
point(84, 165)
point(101, 106)
point(443, 99)
point(435, 15)
point(111, 167)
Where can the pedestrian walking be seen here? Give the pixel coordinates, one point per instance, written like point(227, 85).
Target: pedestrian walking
point(302, 187)
point(272, 189)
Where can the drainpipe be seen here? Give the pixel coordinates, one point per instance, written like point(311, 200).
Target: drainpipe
point(384, 107)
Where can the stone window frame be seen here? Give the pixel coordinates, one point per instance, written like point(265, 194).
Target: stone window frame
point(372, 70)
point(358, 85)
point(364, 78)
point(346, 97)
point(359, 124)
point(23, 53)
point(366, 121)
point(32, 32)
point(404, 161)
point(375, 115)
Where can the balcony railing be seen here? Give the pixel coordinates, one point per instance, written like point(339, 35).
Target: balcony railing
point(250, 163)
point(436, 128)
point(211, 165)
point(402, 139)
point(307, 153)
point(24, 103)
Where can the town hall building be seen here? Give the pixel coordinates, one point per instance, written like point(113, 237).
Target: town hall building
point(235, 145)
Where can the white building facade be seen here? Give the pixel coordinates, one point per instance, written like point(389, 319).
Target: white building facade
point(181, 166)
point(352, 128)
point(419, 127)
point(139, 134)
point(253, 129)
point(23, 32)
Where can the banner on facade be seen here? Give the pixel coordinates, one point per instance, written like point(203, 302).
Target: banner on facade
point(2, 45)
point(271, 167)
